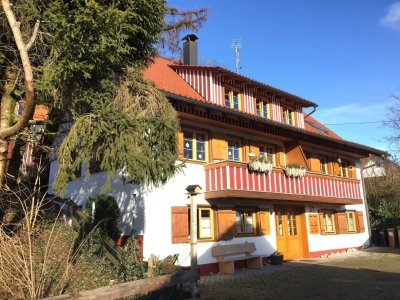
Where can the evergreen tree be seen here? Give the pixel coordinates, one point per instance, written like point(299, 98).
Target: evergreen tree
point(87, 59)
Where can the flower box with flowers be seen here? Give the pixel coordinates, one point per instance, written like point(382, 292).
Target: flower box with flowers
point(260, 164)
point(295, 170)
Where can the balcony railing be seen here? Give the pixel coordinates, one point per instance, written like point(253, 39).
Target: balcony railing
point(232, 176)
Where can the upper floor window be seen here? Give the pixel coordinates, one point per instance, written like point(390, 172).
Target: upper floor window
point(233, 150)
point(323, 165)
point(262, 108)
point(232, 99)
point(344, 168)
point(288, 116)
point(245, 221)
point(194, 145)
point(267, 154)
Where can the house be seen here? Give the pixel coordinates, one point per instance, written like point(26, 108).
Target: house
point(227, 121)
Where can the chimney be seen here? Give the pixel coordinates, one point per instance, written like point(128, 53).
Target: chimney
point(189, 53)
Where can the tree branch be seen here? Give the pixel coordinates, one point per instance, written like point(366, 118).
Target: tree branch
point(34, 35)
point(28, 75)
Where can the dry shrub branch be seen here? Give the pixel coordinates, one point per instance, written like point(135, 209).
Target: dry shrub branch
point(35, 255)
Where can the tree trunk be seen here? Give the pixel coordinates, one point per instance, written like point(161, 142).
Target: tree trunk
point(6, 129)
point(5, 117)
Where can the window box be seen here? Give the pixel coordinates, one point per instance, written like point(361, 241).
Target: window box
point(293, 170)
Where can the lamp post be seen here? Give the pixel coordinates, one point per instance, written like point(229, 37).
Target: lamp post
point(193, 191)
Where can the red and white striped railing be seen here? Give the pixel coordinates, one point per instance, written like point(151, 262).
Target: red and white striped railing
point(228, 175)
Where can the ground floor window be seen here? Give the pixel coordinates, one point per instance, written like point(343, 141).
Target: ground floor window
point(351, 221)
point(245, 221)
point(205, 223)
point(329, 221)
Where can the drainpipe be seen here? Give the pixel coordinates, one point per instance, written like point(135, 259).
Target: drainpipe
point(313, 111)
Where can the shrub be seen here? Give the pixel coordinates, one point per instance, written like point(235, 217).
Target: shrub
point(106, 215)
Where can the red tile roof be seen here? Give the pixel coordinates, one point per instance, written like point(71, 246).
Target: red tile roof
point(168, 80)
point(312, 125)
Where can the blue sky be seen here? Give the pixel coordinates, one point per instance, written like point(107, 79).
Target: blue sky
point(344, 55)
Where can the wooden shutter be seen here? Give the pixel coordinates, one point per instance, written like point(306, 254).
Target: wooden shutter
point(255, 150)
point(264, 227)
point(341, 222)
point(315, 164)
point(360, 221)
point(280, 157)
point(180, 144)
point(226, 224)
point(179, 224)
point(321, 223)
point(219, 147)
point(313, 223)
point(336, 168)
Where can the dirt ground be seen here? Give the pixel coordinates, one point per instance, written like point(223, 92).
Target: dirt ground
point(373, 273)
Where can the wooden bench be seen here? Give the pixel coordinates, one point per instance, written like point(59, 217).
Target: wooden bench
point(227, 255)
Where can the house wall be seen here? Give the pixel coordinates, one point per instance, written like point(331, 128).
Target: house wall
point(148, 213)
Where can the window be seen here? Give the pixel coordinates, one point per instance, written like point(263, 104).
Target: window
point(262, 108)
point(344, 172)
point(194, 145)
point(267, 153)
point(231, 98)
point(288, 117)
point(351, 221)
point(245, 221)
point(323, 165)
point(233, 150)
point(329, 221)
point(205, 223)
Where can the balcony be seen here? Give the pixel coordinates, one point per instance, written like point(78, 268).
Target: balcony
point(228, 179)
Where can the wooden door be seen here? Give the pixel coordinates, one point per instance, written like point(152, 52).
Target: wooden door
point(289, 232)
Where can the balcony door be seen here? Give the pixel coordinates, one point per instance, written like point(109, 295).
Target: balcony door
point(290, 232)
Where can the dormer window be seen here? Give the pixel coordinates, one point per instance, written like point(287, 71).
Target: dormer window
point(262, 108)
point(288, 116)
point(232, 99)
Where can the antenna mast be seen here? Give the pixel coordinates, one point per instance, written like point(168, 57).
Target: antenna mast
point(237, 44)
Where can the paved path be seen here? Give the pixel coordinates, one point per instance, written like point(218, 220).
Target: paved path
point(372, 274)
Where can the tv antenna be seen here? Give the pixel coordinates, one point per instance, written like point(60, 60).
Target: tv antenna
point(237, 44)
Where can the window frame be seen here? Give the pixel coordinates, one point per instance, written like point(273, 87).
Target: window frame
point(233, 140)
point(260, 110)
point(288, 115)
point(242, 211)
point(265, 150)
point(344, 168)
point(323, 161)
point(333, 216)
point(229, 91)
point(199, 227)
point(194, 149)
point(351, 212)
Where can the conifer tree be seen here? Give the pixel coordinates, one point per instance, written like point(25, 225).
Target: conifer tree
point(87, 59)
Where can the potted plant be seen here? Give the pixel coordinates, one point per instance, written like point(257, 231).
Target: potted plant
point(276, 258)
point(295, 170)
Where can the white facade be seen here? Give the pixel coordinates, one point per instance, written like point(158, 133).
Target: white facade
point(147, 212)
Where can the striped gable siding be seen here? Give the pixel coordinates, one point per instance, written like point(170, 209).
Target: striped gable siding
point(276, 110)
point(211, 88)
point(299, 117)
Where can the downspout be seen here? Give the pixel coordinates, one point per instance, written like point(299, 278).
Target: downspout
point(313, 111)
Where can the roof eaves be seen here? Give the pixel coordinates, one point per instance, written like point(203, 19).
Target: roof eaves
point(274, 123)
